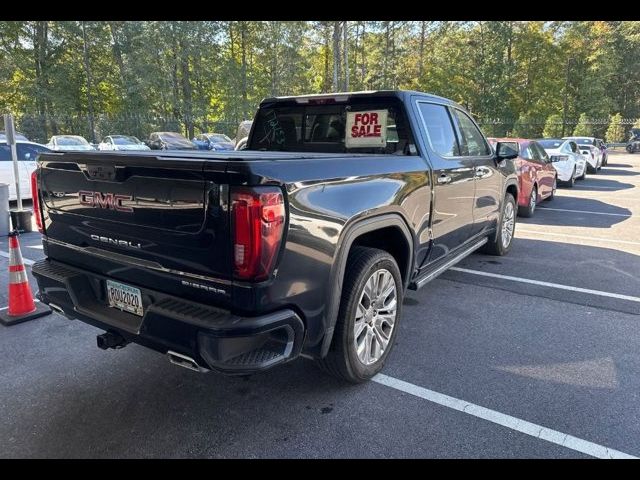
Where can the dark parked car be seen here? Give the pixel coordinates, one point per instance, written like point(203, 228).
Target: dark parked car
point(213, 141)
point(169, 141)
point(302, 244)
point(603, 148)
point(633, 145)
point(243, 130)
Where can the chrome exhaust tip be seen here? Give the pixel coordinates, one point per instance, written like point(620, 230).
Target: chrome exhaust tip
point(184, 361)
point(56, 308)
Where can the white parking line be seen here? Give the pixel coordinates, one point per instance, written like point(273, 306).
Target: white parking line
point(25, 260)
point(39, 247)
point(581, 237)
point(584, 211)
point(513, 423)
point(548, 284)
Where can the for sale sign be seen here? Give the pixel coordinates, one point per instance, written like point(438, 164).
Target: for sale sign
point(366, 129)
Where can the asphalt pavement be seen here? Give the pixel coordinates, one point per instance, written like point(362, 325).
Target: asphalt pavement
point(531, 355)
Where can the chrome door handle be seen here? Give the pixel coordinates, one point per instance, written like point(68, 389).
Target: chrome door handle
point(444, 178)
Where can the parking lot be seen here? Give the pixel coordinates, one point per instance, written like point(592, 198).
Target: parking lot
point(535, 354)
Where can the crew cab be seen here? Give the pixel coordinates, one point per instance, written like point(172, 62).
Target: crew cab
point(303, 244)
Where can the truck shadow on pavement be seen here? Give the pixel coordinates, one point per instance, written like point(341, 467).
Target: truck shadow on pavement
point(615, 172)
point(617, 165)
point(608, 185)
point(604, 215)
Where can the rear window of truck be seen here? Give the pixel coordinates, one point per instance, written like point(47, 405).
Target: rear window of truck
point(364, 126)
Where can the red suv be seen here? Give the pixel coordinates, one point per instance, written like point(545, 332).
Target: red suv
point(536, 175)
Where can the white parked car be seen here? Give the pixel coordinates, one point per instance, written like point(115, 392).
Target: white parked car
point(69, 143)
point(566, 158)
point(121, 143)
point(590, 147)
point(26, 153)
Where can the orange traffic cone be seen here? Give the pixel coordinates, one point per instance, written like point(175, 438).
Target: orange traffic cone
point(21, 304)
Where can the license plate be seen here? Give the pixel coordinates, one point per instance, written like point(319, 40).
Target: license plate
point(124, 297)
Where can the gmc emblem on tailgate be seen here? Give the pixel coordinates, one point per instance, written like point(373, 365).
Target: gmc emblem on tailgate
point(104, 200)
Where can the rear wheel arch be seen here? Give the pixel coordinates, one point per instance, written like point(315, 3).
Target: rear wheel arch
point(388, 232)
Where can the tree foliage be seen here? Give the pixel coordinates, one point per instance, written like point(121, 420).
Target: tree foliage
point(138, 76)
point(553, 126)
point(616, 131)
point(584, 128)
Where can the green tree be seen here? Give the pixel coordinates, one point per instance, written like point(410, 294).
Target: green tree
point(615, 132)
point(527, 127)
point(584, 128)
point(553, 126)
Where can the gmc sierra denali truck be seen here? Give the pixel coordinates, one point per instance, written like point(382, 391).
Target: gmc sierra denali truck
point(303, 244)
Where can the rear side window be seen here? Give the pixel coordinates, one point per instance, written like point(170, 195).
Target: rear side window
point(542, 154)
point(379, 126)
point(472, 143)
point(437, 122)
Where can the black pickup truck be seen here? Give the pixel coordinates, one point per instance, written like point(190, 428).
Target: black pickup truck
point(301, 245)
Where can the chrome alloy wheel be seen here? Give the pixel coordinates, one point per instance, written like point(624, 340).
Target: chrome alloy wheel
point(375, 316)
point(533, 199)
point(508, 224)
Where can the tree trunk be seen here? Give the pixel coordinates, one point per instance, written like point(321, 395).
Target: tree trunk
point(186, 89)
point(87, 69)
point(423, 26)
point(117, 55)
point(325, 79)
point(243, 46)
point(336, 56)
point(345, 50)
point(364, 57)
point(385, 61)
point(40, 39)
point(174, 74)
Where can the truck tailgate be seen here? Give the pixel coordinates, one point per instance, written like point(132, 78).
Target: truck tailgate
point(159, 211)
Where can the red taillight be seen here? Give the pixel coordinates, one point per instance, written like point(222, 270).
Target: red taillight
point(258, 217)
point(35, 198)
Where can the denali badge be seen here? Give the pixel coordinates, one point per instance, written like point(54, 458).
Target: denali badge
point(104, 200)
point(115, 241)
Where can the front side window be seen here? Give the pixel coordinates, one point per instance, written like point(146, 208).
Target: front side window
point(439, 129)
point(5, 152)
point(472, 143)
point(28, 152)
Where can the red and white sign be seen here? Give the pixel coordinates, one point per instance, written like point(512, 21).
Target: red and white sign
point(366, 129)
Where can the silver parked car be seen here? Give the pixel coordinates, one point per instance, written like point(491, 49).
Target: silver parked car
point(69, 143)
point(121, 143)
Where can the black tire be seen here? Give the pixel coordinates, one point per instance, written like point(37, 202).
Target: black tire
point(495, 245)
point(584, 172)
point(553, 189)
point(342, 359)
point(571, 182)
point(533, 201)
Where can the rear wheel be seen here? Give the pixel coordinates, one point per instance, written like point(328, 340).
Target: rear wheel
point(588, 168)
point(553, 189)
point(500, 244)
point(572, 181)
point(533, 199)
point(370, 308)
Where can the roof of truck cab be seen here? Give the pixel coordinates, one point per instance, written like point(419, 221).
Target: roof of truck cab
point(402, 94)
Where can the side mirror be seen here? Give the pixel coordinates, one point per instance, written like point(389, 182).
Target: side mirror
point(505, 151)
